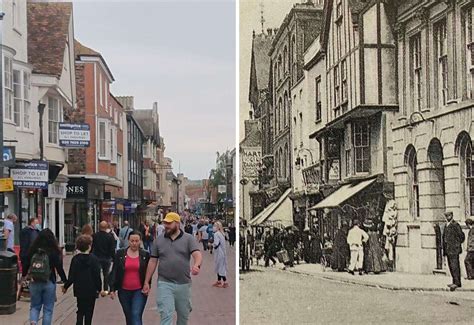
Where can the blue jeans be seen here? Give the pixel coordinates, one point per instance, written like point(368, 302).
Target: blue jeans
point(43, 295)
point(133, 304)
point(173, 297)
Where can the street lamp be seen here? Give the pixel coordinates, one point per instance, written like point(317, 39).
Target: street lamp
point(178, 182)
point(299, 161)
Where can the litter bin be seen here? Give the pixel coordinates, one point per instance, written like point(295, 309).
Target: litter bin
point(8, 279)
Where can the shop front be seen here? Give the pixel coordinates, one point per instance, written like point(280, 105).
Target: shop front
point(55, 197)
point(82, 206)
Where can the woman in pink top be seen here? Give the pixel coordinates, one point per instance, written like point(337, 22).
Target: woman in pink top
point(128, 277)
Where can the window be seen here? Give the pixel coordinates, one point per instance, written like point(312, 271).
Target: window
point(279, 114)
point(469, 52)
point(106, 95)
point(361, 136)
point(26, 100)
point(119, 167)
point(8, 79)
point(17, 97)
point(113, 144)
point(16, 14)
point(120, 122)
point(415, 51)
point(318, 99)
point(464, 148)
point(344, 82)
point(301, 129)
point(285, 110)
point(103, 139)
point(413, 189)
point(338, 39)
point(285, 60)
point(101, 91)
point(442, 53)
point(146, 178)
point(348, 150)
point(146, 148)
point(294, 59)
point(336, 90)
point(279, 68)
point(54, 117)
point(339, 9)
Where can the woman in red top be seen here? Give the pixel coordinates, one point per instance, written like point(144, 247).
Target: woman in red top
point(128, 276)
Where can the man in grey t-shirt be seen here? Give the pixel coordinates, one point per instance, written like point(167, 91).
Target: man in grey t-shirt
point(172, 252)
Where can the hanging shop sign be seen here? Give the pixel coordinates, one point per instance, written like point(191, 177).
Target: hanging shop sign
point(31, 174)
point(74, 135)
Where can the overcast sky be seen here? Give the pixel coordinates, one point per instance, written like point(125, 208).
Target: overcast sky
point(178, 53)
point(274, 11)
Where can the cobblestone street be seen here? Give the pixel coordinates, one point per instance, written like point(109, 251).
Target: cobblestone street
point(273, 296)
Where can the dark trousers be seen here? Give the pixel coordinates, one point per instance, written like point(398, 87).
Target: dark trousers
point(105, 266)
point(133, 304)
point(24, 261)
point(469, 263)
point(455, 269)
point(85, 310)
point(204, 244)
point(268, 259)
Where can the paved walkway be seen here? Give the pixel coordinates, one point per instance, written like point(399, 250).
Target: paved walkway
point(386, 280)
point(210, 305)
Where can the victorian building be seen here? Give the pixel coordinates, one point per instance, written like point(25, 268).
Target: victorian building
point(433, 131)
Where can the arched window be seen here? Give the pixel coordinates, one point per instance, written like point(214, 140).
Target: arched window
point(276, 164)
point(285, 59)
point(281, 162)
point(285, 110)
point(412, 182)
point(464, 151)
point(285, 155)
point(293, 58)
point(279, 67)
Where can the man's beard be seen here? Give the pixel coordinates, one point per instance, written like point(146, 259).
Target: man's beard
point(172, 231)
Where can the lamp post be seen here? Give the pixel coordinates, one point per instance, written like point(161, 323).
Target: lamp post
point(243, 182)
point(177, 181)
point(298, 163)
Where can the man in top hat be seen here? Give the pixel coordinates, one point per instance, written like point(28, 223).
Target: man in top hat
point(453, 237)
point(172, 253)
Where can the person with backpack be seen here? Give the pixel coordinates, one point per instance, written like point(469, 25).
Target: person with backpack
point(84, 274)
point(44, 260)
point(125, 231)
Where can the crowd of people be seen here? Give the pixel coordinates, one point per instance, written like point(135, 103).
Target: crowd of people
point(120, 262)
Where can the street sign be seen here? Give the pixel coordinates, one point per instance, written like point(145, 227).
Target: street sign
point(74, 135)
point(6, 184)
point(30, 174)
point(8, 156)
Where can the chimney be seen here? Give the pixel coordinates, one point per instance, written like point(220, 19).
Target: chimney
point(269, 31)
point(275, 30)
point(155, 105)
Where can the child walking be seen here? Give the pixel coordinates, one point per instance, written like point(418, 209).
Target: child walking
point(84, 274)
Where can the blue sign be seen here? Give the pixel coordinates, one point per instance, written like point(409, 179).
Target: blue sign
point(8, 156)
point(30, 174)
point(74, 135)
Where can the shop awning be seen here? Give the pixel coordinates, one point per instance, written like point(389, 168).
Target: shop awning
point(341, 195)
point(280, 211)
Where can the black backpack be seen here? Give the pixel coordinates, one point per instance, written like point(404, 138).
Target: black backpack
point(40, 269)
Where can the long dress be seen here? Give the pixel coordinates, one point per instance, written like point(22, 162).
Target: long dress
point(341, 250)
point(220, 256)
point(373, 258)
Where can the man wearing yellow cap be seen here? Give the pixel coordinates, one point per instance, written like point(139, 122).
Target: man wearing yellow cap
point(172, 253)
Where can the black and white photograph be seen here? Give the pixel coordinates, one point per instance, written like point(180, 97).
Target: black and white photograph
point(356, 163)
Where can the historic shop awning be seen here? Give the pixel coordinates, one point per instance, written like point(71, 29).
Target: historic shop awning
point(279, 212)
point(342, 194)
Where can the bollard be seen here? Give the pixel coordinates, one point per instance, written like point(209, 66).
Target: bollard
point(8, 279)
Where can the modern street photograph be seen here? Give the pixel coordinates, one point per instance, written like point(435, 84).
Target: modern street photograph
point(118, 182)
point(356, 193)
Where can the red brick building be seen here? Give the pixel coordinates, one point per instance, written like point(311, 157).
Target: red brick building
point(96, 173)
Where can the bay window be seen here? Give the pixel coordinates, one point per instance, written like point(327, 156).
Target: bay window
point(8, 79)
point(361, 143)
point(54, 117)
